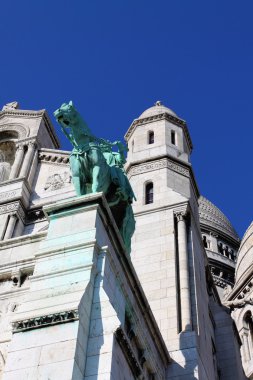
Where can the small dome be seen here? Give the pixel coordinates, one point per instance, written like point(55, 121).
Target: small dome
point(211, 216)
point(157, 109)
point(245, 254)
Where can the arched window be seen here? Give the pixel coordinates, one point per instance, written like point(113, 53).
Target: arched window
point(149, 193)
point(151, 137)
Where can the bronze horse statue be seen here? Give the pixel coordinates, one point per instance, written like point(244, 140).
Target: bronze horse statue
point(96, 167)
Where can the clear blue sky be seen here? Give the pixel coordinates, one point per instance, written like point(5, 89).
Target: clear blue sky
point(115, 58)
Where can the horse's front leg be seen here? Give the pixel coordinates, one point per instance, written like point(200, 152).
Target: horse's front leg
point(96, 182)
point(77, 175)
point(99, 171)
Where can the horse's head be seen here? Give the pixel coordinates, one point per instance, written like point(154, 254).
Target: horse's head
point(66, 114)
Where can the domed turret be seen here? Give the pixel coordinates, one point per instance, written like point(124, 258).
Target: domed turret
point(244, 264)
point(220, 241)
point(157, 109)
point(158, 132)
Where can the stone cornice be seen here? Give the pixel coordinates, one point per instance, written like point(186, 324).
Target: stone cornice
point(45, 320)
point(163, 116)
point(158, 164)
point(21, 240)
point(54, 156)
point(21, 113)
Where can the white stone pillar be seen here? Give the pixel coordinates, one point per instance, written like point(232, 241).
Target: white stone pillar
point(245, 347)
point(10, 226)
point(28, 159)
point(17, 162)
point(185, 297)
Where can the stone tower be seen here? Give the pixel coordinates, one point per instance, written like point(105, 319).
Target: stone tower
point(167, 249)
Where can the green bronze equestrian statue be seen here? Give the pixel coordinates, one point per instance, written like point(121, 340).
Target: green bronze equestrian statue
point(96, 167)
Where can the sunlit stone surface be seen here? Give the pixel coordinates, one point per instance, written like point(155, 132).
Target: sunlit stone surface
point(73, 305)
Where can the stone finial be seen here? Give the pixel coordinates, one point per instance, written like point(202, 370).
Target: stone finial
point(11, 105)
point(158, 103)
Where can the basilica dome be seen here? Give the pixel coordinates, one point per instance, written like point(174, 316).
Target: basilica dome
point(157, 109)
point(245, 254)
point(212, 217)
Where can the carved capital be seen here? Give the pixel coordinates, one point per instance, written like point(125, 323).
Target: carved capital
point(181, 213)
point(180, 216)
point(13, 214)
point(32, 144)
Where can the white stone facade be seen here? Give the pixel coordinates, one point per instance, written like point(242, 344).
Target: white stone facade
point(73, 305)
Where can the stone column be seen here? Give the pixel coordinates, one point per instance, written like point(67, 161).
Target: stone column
point(28, 159)
point(245, 347)
point(10, 226)
point(17, 162)
point(185, 297)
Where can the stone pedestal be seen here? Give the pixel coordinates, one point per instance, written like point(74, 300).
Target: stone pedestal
point(70, 322)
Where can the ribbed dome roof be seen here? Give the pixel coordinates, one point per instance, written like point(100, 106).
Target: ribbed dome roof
point(211, 216)
point(245, 254)
point(157, 109)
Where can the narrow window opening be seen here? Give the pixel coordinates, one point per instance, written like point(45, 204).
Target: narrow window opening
point(151, 137)
point(205, 242)
point(173, 137)
point(149, 193)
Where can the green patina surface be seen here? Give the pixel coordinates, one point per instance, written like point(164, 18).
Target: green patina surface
point(96, 167)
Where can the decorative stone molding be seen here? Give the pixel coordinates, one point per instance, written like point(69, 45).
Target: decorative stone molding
point(7, 195)
point(22, 130)
point(53, 158)
point(46, 320)
point(159, 164)
point(221, 282)
point(129, 352)
point(14, 207)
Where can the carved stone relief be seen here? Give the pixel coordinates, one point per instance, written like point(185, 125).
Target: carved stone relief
point(57, 181)
point(45, 320)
